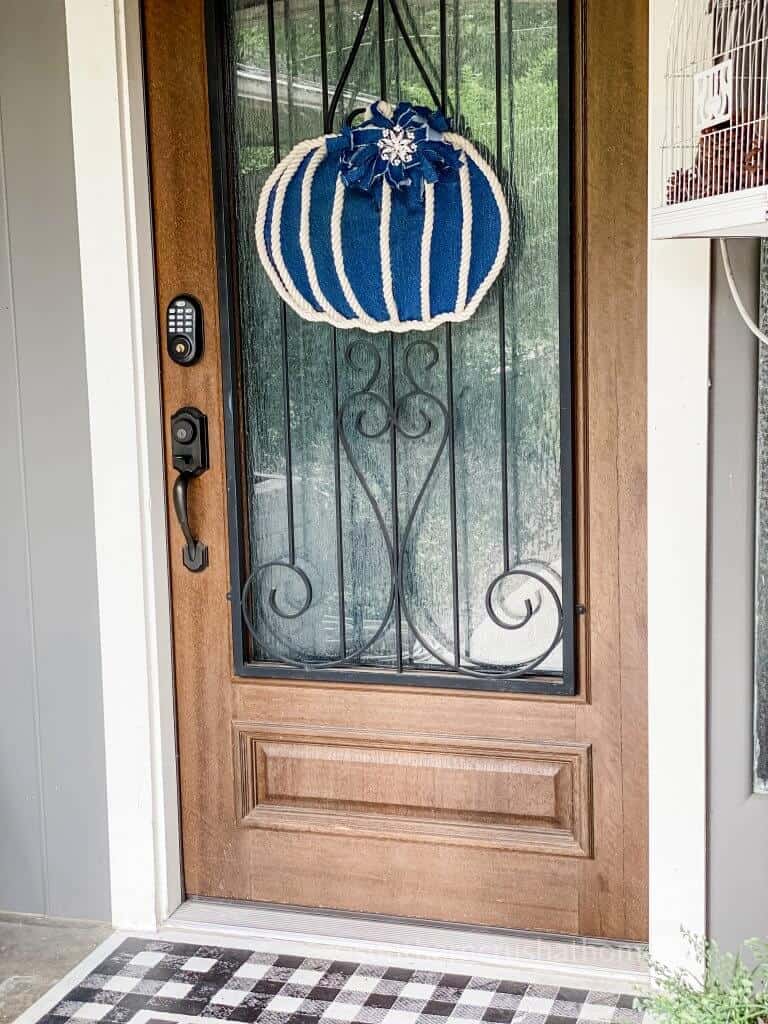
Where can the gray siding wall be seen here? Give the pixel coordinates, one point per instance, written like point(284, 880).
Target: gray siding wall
point(53, 835)
point(738, 820)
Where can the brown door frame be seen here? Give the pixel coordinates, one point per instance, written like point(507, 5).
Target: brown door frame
point(609, 392)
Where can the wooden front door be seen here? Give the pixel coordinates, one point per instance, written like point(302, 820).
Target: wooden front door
point(410, 671)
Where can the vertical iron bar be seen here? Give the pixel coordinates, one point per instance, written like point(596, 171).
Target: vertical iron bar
point(289, 35)
point(324, 67)
point(337, 490)
point(382, 51)
point(339, 43)
point(565, 65)
point(452, 483)
point(456, 62)
point(273, 79)
point(288, 446)
point(283, 312)
point(396, 63)
point(502, 317)
point(444, 56)
point(395, 502)
point(449, 383)
point(392, 395)
point(335, 378)
point(511, 42)
point(465, 542)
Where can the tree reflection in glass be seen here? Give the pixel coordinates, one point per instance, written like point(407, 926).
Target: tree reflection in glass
point(404, 493)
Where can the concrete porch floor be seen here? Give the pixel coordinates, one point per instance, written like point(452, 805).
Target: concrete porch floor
point(35, 952)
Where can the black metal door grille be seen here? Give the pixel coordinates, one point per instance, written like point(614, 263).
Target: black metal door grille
point(400, 506)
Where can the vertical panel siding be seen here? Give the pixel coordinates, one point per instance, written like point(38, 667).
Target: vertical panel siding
point(53, 843)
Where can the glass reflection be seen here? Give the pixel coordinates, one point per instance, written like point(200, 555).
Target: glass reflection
point(395, 546)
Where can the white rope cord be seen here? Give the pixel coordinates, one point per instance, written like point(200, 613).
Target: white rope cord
point(290, 294)
point(466, 236)
point(385, 257)
point(287, 291)
point(426, 250)
point(275, 242)
point(306, 249)
point(338, 251)
point(760, 335)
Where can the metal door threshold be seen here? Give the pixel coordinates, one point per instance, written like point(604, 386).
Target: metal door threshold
point(548, 959)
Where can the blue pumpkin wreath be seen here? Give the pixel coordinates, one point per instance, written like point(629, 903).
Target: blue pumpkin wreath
point(396, 223)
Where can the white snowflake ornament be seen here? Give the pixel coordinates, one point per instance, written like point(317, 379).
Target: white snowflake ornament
point(397, 145)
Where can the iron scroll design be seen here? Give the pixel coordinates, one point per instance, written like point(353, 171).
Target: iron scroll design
point(413, 416)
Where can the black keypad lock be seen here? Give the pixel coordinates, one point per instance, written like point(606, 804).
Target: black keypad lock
point(184, 330)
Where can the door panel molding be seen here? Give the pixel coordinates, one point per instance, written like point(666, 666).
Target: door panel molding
point(534, 797)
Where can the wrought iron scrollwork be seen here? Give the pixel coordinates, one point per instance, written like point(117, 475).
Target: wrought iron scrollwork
point(417, 414)
point(281, 592)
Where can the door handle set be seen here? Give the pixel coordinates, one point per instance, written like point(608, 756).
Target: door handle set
point(189, 452)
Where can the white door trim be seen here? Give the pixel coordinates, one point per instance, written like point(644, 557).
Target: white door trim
point(116, 256)
point(678, 425)
point(129, 495)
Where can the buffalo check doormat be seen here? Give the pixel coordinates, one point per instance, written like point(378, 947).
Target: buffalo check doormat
point(150, 982)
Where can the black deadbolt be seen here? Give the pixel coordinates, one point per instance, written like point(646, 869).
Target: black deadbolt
point(189, 441)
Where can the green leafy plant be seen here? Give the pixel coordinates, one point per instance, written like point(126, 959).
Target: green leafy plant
point(726, 989)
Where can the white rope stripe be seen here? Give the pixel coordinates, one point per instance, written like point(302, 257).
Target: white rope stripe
point(338, 252)
point(278, 178)
point(277, 252)
point(386, 261)
point(466, 236)
point(297, 302)
point(268, 245)
point(306, 249)
point(426, 249)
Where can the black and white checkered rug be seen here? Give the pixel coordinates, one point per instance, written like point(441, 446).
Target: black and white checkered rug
point(148, 982)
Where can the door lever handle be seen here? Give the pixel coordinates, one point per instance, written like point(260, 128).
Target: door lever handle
point(189, 449)
point(194, 554)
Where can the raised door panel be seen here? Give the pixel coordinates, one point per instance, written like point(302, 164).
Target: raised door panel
point(514, 796)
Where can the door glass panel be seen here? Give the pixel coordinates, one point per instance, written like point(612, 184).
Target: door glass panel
point(398, 499)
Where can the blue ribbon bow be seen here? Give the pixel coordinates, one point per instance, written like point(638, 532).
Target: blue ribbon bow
point(406, 150)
